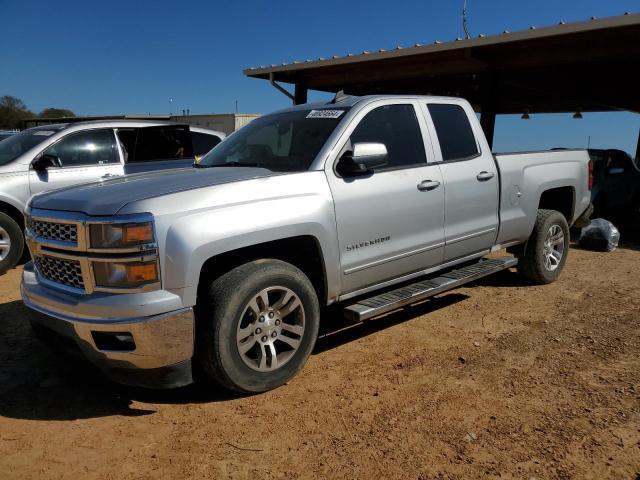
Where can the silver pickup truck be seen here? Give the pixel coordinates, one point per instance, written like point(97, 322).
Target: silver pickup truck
point(54, 156)
point(370, 202)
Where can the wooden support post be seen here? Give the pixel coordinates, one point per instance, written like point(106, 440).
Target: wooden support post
point(488, 123)
point(300, 94)
point(637, 159)
point(489, 106)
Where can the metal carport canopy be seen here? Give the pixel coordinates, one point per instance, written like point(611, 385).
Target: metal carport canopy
point(584, 66)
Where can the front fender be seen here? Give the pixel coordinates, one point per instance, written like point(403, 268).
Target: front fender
point(14, 190)
point(193, 239)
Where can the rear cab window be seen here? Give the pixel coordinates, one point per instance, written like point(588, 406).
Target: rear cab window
point(455, 135)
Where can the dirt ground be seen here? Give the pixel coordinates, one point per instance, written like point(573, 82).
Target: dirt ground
point(498, 380)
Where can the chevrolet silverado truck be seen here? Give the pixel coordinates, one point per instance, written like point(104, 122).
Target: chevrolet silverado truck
point(54, 156)
point(371, 203)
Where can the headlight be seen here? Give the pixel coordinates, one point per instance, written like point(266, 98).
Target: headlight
point(125, 274)
point(120, 235)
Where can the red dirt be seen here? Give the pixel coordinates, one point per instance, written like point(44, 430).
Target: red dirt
point(498, 380)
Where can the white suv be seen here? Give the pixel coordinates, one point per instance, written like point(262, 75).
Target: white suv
point(55, 156)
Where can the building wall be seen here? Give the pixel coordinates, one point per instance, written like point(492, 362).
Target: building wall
point(224, 122)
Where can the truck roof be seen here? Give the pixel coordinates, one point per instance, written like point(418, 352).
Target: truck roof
point(346, 101)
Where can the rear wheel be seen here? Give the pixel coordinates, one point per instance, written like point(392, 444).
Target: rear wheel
point(11, 242)
point(257, 326)
point(545, 253)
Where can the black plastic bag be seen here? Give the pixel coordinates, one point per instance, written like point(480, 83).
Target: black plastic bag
point(600, 235)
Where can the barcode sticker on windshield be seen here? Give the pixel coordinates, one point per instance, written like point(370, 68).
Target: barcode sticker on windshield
point(44, 133)
point(325, 113)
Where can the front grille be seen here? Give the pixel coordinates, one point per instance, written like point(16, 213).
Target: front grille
point(59, 270)
point(62, 232)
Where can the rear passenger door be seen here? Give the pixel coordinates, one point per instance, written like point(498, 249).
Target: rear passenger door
point(471, 193)
point(86, 156)
point(390, 222)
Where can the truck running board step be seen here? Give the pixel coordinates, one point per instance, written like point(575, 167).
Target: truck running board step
point(393, 299)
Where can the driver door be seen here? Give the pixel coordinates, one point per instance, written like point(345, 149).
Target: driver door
point(87, 156)
point(389, 225)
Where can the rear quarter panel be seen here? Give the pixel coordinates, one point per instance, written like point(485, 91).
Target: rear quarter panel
point(531, 174)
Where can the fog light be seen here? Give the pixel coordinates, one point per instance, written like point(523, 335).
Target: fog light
point(114, 341)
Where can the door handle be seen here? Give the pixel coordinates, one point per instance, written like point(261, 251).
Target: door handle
point(427, 185)
point(484, 176)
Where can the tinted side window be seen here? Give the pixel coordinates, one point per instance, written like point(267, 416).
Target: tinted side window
point(454, 132)
point(162, 143)
point(203, 142)
point(94, 147)
point(397, 127)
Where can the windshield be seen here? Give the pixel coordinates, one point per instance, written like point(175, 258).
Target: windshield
point(283, 142)
point(14, 146)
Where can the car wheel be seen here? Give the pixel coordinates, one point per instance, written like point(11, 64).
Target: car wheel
point(257, 326)
point(11, 242)
point(545, 253)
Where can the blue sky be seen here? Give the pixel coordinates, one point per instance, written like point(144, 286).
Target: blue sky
point(113, 57)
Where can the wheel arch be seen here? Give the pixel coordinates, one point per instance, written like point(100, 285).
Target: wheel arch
point(562, 199)
point(13, 212)
point(303, 252)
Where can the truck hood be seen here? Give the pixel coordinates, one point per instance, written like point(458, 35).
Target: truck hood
point(110, 196)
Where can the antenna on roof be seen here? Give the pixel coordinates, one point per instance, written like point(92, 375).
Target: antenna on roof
point(464, 20)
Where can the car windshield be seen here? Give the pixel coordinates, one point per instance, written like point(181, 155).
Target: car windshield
point(282, 142)
point(14, 146)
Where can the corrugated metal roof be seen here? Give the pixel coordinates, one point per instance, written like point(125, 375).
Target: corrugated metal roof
point(562, 28)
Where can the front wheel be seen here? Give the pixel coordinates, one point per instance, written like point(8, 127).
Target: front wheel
point(11, 243)
point(545, 253)
point(257, 326)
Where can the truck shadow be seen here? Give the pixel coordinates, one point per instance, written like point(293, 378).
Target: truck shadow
point(38, 384)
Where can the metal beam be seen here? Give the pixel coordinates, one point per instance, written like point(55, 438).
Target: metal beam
point(280, 88)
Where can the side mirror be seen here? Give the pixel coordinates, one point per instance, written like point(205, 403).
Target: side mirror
point(45, 161)
point(364, 158)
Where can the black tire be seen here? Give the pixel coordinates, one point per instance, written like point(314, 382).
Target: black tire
point(218, 318)
point(531, 262)
point(11, 231)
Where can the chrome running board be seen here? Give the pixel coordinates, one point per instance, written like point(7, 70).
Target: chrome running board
point(399, 297)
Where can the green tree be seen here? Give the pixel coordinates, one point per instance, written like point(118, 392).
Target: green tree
point(12, 112)
point(56, 113)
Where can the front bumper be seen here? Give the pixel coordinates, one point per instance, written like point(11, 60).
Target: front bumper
point(159, 344)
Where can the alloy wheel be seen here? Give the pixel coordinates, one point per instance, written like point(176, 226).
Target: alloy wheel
point(553, 250)
point(5, 244)
point(271, 328)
